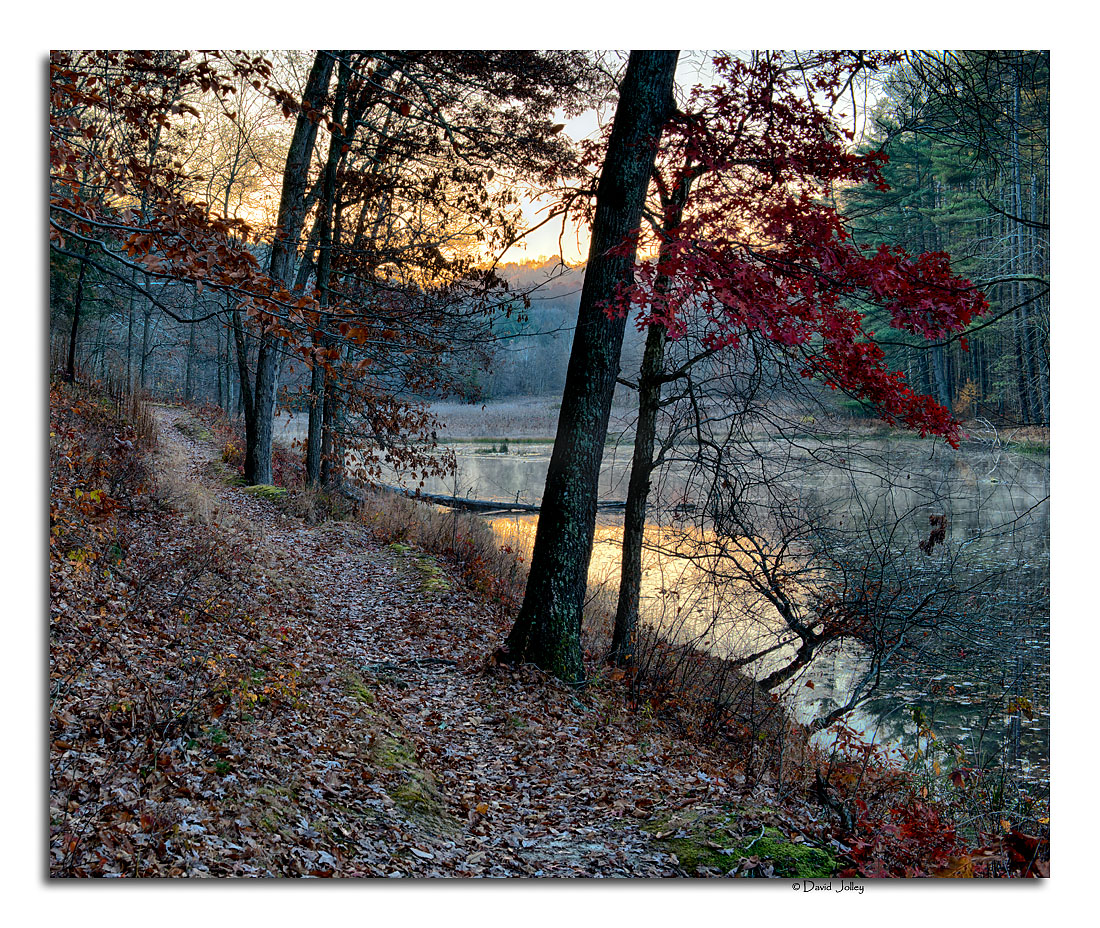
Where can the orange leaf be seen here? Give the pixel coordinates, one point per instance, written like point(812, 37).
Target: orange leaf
point(957, 868)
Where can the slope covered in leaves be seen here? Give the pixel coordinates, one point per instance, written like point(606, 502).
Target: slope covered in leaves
point(235, 692)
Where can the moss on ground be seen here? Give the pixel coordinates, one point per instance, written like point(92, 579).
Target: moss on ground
point(720, 840)
point(267, 491)
point(358, 688)
point(432, 578)
point(416, 790)
point(195, 430)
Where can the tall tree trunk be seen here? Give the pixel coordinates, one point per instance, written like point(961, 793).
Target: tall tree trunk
point(641, 466)
point(637, 496)
point(1019, 288)
point(327, 242)
point(547, 629)
point(187, 385)
point(328, 438)
point(219, 369)
point(227, 363)
point(145, 350)
point(130, 343)
point(78, 299)
point(257, 467)
point(1042, 364)
point(939, 352)
point(244, 375)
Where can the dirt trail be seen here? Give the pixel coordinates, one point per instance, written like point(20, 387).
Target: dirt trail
point(416, 760)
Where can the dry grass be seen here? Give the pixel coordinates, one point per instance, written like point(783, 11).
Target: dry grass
point(189, 496)
point(463, 539)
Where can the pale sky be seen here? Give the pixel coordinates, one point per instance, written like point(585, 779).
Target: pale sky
point(544, 242)
point(571, 242)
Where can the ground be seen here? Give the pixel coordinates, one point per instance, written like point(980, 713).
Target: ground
point(357, 728)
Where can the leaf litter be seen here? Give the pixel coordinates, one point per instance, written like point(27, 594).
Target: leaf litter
point(243, 694)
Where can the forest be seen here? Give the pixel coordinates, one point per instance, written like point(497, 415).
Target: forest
point(385, 541)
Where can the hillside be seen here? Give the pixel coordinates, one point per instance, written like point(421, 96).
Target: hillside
point(238, 692)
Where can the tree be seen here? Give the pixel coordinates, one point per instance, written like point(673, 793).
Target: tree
point(967, 135)
point(762, 252)
point(390, 251)
point(116, 189)
point(547, 630)
point(283, 266)
point(410, 194)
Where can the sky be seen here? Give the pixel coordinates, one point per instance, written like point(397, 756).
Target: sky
point(568, 241)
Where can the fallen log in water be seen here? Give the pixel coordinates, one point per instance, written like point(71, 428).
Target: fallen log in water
point(489, 505)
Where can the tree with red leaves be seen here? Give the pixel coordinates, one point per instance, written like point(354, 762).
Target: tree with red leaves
point(750, 246)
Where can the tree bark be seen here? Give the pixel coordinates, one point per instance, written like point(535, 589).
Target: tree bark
point(637, 495)
point(328, 240)
point(187, 384)
point(257, 467)
point(78, 299)
point(547, 629)
point(641, 466)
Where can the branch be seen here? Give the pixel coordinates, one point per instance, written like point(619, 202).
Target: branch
point(135, 286)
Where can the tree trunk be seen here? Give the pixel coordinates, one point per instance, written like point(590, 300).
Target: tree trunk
point(328, 240)
point(1019, 289)
point(284, 251)
point(243, 375)
point(78, 299)
point(187, 384)
point(328, 438)
point(130, 343)
point(547, 629)
point(1042, 364)
point(145, 350)
point(641, 466)
point(637, 495)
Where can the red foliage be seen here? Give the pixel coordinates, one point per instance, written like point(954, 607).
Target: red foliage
point(762, 252)
point(911, 839)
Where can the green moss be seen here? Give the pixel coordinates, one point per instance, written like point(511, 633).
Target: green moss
point(195, 430)
point(417, 792)
point(718, 841)
point(356, 687)
point(432, 579)
point(273, 807)
point(267, 491)
point(393, 752)
point(415, 789)
point(793, 860)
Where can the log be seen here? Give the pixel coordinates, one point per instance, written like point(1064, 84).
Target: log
point(489, 505)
